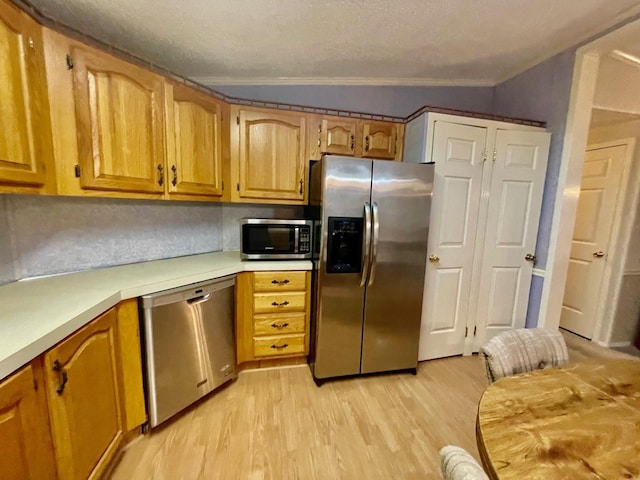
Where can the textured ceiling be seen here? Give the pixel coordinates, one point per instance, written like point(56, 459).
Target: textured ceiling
point(403, 42)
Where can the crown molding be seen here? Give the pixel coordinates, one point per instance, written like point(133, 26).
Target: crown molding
point(362, 81)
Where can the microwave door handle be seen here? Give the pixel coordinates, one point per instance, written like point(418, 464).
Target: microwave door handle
point(374, 246)
point(296, 239)
point(366, 244)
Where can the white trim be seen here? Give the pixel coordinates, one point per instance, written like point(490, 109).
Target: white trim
point(618, 344)
point(631, 273)
point(618, 243)
point(583, 89)
point(538, 272)
point(210, 80)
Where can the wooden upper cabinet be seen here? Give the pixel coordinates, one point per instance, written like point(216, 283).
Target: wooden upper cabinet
point(25, 141)
point(195, 140)
point(27, 450)
point(119, 119)
point(269, 155)
point(379, 139)
point(84, 391)
point(338, 136)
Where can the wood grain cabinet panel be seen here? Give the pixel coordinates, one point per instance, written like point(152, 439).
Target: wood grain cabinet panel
point(269, 156)
point(279, 323)
point(25, 142)
point(338, 136)
point(120, 123)
point(379, 139)
point(279, 302)
point(194, 141)
point(279, 281)
point(27, 451)
point(278, 345)
point(84, 391)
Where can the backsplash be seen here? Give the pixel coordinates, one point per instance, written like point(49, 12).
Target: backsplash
point(42, 235)
point(7, 273)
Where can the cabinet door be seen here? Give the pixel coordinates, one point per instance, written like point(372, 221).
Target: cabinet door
point(514, 198)
point(194, 141)
point(379, 139)
point(23, 106)
point(271, 155)
point(119, 120)
point(84, 391)
point(338, 136)
point(27, 452)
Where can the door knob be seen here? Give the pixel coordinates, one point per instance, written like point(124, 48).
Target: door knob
point(530, 258)
point(434, 258)
point(598, 254)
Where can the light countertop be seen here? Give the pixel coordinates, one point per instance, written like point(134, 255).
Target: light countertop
point(36, 314)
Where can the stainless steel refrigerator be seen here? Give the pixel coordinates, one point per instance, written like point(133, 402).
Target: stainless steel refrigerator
point(371, 243)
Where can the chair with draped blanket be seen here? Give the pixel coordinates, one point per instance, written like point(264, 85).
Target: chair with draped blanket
point(457, 464)
point(523, 350)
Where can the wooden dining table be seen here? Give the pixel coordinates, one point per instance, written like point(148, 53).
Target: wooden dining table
point(581, 421)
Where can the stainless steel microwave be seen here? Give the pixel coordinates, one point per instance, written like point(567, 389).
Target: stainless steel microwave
point(268, 238)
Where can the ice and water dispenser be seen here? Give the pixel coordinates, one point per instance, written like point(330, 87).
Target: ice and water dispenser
point(344, 245)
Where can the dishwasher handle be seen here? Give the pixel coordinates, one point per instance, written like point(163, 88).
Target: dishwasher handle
point(197, 300)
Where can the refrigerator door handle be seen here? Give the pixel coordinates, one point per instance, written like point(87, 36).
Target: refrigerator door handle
point(374, 246)
point(366, 240)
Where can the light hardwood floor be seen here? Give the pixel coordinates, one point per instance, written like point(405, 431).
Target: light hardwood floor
point(277, 424)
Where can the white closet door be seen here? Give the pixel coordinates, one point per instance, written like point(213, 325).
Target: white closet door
point(515, 197)
point(458, 153)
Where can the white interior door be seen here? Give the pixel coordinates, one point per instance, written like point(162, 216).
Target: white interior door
point(515, 196)
point(601, 177)
point(458, 153)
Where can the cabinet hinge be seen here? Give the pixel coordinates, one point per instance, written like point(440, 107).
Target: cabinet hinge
point(238, 186)
point(484, 155)
point(495, 154)
point(76, 169)
point(238, 120)
point(69, 62)
point(466, 332)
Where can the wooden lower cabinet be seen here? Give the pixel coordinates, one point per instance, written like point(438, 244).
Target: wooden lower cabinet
point(272, 315)
point(25, 436)
point(84, 399)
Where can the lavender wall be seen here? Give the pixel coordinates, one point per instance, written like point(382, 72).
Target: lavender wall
point(384, 100)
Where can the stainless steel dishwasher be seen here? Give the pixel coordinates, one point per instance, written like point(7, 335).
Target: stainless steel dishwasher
point(189, 344)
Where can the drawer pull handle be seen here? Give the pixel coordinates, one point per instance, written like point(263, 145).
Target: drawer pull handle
point(279, 347)
point(280, 326)
point(280, 282)
point(63, 377)
point(283, 304)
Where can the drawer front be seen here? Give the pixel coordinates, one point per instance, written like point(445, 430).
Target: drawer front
point(279, 281)
point(275, 324)
point(278, 345)
point(279, 302)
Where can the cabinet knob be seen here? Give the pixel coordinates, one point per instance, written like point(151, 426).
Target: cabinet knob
point(434, 258)
point(366, 143)
point(160, 175)
point(279, 347)
point(598, 254)
point(353, 142)
point(280, 282)
point(301, 184)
